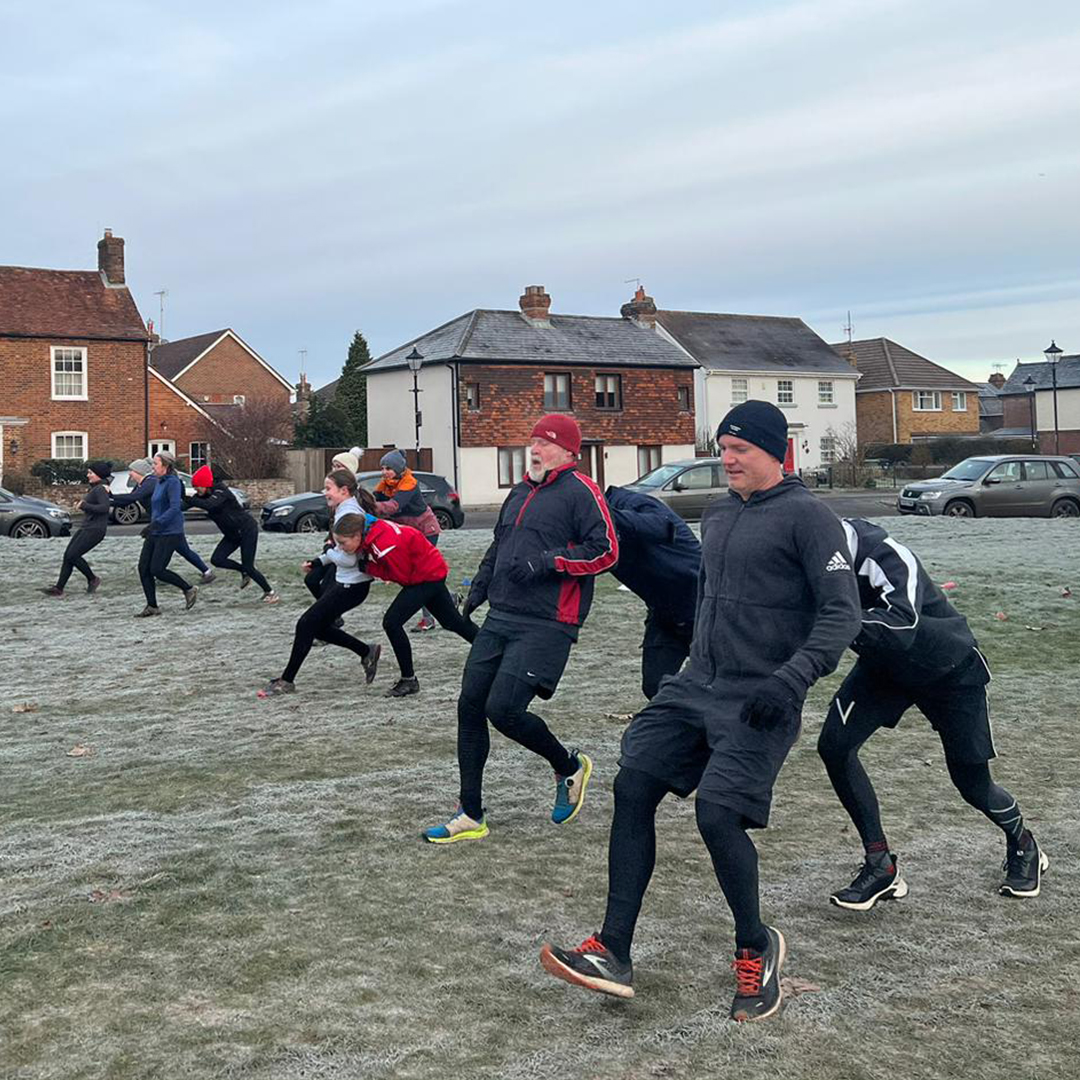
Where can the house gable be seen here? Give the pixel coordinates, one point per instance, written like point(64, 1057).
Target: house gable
point(217, 366)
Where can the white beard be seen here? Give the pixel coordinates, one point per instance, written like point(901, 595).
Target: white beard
point(537, 475)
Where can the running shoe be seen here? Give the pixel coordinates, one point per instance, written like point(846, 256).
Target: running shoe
point(404, 687)
point(208, 576)
point(275, 687)
point(424, 625)
point(570, 790)
point(878, 879)
point(52, 590)
point(271, 597)
point(459, 827)
point(245, 581)
point(370, 663)
point(757, 979)
point(148, 611)
point(190, 597)
point(1024, 867)
point(93, 585)
point(591, 965)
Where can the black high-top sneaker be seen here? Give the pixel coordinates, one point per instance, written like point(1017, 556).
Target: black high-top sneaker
point(878, 879)
point(1024, 867)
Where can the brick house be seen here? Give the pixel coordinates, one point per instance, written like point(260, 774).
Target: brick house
point(902, 396)
point(199, 382)
point(488, 375)
point(1017, 403)
point(73, 375)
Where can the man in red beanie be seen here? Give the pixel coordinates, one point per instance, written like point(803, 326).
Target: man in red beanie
point(553, 536)
point(238, 529)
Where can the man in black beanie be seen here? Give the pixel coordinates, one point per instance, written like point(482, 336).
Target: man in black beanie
point(777, 605)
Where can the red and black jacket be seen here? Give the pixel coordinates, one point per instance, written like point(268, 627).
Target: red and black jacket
point(566, 522)
point(401, 554)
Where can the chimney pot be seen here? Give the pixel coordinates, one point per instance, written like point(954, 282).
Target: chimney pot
point(111, 258)
point(997, 380)
point(641, 310)
point(535, 304)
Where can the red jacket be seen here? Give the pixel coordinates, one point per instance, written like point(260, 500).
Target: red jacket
point(401, 554)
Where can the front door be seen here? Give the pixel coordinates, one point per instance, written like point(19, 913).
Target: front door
point(591, 462)
point(166, 446)
point(789, 457)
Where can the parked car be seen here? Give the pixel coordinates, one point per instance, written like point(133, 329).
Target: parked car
point(308, 512)
point(26, 518)
point(999, 485)
point(686, 486)
point(134, 513)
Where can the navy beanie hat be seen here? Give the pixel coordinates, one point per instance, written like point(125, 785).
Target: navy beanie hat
point(760, 423)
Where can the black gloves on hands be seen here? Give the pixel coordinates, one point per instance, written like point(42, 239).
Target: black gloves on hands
point(773, 703)
point(525, 569)
point(472, 602)
point(145, 531)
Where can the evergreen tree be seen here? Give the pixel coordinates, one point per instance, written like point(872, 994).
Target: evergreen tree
point(351, 393)
point(324, 425)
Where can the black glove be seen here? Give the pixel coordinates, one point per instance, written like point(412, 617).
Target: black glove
point(145, 532)
point(525, 569)
point(771, 704)
point(475, 598)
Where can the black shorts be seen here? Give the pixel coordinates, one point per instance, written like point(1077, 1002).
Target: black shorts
point(956, 706)
point(533, 653)
point(689, 737)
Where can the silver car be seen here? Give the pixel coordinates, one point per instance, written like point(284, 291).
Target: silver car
point(686, 486)
point(1001, 485)
point(122, 483)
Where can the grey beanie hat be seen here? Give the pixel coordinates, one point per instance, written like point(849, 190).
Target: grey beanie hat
point(143, 466)
point(395, 460)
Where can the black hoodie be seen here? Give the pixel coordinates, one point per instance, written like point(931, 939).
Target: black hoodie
point(222, 509)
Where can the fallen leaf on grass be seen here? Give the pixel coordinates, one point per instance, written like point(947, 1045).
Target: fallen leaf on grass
point(25, 706)
point(99, 896)
point(793, 987)
point(1034, 627)
point(619, 715)
point(1001, 617)
point(78, 750)
point(1066, 592)
point(948, 586)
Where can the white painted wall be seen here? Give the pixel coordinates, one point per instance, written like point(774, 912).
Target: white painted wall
point(390, 412)
point(1068, 409)
point(815, 419)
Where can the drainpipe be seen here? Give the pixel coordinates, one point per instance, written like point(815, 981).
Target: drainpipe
point(895, 432)
point(455, 376)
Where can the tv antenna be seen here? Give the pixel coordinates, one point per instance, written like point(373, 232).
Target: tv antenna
point(848, 328)
point(161, 294)
point(303, 363)
point(635, 280)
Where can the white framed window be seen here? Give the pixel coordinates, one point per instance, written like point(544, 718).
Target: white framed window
point(199, 455)
point(739, 391)
point(609, 391)
point(239, 399)
point(826, 393)
point(785, 391)
point(828, 449)
point(72, 445)
point(68, 373)
point(683, 393)
point(472, 396)
point(511, 465)
point(648, 458)
point(959, 401)
point(161, 446)
point(926, 400)
point(556, 391)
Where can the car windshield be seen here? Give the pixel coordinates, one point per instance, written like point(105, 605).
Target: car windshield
point(971, 469)
point(659, 477)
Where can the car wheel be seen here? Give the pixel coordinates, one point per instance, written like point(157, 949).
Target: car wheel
point(960, 508)
point(444, 519)
point(29, 529)
point(126, 515)
point(1065, 508)
point(308, 523)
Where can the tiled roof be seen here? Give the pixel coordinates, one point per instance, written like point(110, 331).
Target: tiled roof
point(66, 304)
point(752, 342)
point(886, 365)
point(171, 357)
point(990, 403)
point(1068, 376)
point(485, 336)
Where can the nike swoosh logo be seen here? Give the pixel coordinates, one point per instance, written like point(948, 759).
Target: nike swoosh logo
point(844, 714)
point(531, 674)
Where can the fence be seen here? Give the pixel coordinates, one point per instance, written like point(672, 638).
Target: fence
point(308, 467)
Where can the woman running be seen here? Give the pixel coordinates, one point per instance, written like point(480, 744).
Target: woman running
point(164, 535)
point(340, 492)
point(400, 554)
point(322, 620)
point(238, 529)
point(95, 508)
point(398, 498)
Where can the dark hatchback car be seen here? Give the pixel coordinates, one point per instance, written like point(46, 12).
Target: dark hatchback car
point(26, 518)
point(308, 512)
point(686, 486)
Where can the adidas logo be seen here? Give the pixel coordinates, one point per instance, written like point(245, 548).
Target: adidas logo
point(837, 562)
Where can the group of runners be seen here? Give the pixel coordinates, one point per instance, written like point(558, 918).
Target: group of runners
point(738, 628)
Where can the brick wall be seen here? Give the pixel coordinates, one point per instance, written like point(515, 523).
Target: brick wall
point(875, 421)
point(113, 416)
point(512, 400)
point(226, 370)
point(173, 418)
point(873, 416)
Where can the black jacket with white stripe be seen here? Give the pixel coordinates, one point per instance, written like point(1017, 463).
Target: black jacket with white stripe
point(909, 629)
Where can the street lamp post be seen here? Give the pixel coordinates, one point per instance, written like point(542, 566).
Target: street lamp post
point(415, 359)
point(1053, 355)
point(1029, 382)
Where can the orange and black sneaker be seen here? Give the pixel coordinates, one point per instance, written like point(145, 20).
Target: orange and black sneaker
point(591, 965)
point(757, 979)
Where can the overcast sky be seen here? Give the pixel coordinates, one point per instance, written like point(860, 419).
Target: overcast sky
point(300, 171)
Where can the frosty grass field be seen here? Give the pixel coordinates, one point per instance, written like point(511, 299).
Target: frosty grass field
point(196, 883)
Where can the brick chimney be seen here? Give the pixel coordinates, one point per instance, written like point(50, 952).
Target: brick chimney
point(642, 309)
point(110, 258)
point(535, 303)
point(997, 380)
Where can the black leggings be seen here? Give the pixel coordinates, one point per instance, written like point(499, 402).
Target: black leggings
point(318, 622)
point(247, 542)
point(82, 542)
point(154, 565)
point(632, 857)
point(320, 577)
point(434, 596)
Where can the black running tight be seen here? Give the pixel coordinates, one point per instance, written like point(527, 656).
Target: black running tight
point(247, 542)
point(434, 596)
point(74, 555)
point(154, 565)
point(318, 622)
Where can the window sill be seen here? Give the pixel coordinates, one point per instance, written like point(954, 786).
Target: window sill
point(786, 405)
point(70, 397)
point(827, 405)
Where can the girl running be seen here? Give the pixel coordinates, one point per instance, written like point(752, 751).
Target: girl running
point(95, 507)
point(340, 492)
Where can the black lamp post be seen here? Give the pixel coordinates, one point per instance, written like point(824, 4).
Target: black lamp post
point(1029, 382)
point(1053, 355)
point(415, 359)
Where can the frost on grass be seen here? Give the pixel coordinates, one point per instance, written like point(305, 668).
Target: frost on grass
point(266, 908)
